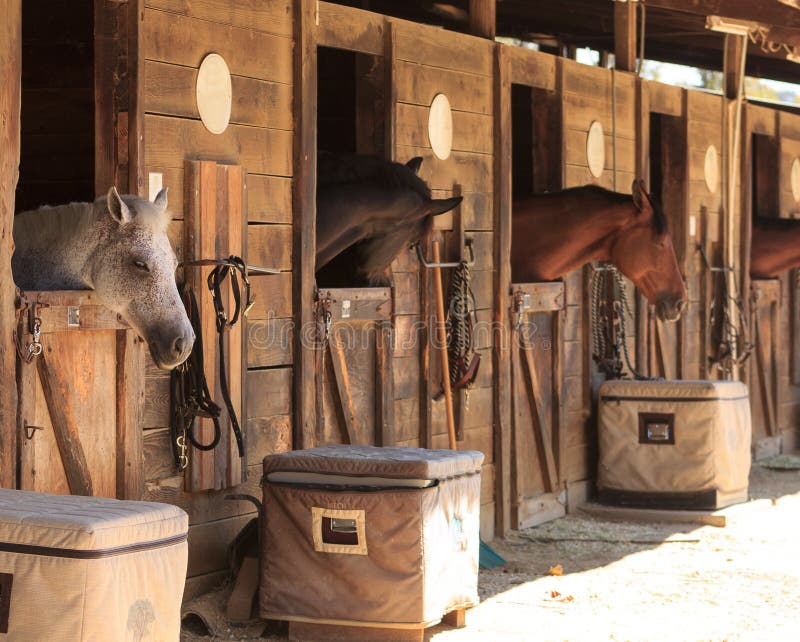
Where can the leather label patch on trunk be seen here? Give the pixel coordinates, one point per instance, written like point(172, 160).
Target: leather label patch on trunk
point(339, 531)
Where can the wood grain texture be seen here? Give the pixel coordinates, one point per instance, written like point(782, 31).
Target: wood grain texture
point(183, 40)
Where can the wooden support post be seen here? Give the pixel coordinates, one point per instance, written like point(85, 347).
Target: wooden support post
point(482, 21)
point(625, 34)
point(10, 89)
point(501, 355)
point(304, 206)
point(733, 93)
point(136, 99)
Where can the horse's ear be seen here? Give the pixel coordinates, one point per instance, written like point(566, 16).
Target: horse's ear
point(117, 208)
point(414, 164)
point(160, 201)
point(639, 194)
point(441, 205)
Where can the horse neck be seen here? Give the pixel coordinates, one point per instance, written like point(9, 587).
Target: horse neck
point(573, 232)
point(775, 249)
point(64, 238)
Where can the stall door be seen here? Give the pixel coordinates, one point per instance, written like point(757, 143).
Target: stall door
point(537, 413)
point(353, 372)
point(764, 402)
point(80, 403)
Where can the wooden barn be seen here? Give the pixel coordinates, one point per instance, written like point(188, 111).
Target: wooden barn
point(106, 92)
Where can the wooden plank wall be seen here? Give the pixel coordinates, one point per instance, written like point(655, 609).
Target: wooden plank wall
point(57, 162)
point(255, 39)
point(586, 94)
point(426, 62)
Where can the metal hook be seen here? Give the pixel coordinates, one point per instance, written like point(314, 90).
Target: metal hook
point(424, 262)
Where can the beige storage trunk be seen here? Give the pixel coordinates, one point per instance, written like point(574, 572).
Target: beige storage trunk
point(366, 536)
point(673, 444)
point(86, 568)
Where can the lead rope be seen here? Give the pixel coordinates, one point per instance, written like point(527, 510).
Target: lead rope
point(190, 394)
point(730, 336)
point(603, 325)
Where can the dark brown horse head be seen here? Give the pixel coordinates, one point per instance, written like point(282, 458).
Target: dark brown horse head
point(368, 211)
point(643, 251)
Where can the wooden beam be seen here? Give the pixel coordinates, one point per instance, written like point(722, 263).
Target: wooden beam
point(763, 11)
point(625, 35)
point(10, 91)
point(305, 214)
point(65, 430)
point(482, 18)
point(733, 93)
point(341, 379)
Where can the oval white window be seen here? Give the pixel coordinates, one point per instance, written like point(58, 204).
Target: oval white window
point(595, 149)
point(440, 127)
point(214, 93)
point(711, 169)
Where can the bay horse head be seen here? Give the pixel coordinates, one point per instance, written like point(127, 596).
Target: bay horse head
point(132, 270)
point(643, 251)
point(368, 211)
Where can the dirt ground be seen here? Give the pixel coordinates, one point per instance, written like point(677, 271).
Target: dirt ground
point(641, 581)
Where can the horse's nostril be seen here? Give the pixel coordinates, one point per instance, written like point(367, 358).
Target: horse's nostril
point(681, 305)
point(179, 344)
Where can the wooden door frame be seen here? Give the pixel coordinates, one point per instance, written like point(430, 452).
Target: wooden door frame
point(323, 24)
point(10, 101)
point(663, 100)
point(512, 65)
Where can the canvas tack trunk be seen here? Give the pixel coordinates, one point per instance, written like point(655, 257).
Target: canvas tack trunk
point(359, 535)
point(86, 568)
point(673, 444)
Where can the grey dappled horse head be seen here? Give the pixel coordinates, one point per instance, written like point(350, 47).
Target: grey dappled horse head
point(368, 211)
point(118, 247)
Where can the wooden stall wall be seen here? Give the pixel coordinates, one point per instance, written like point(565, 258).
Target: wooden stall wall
point(788, 370)
point(426, 62)
point(170, 40)
point(590, 94)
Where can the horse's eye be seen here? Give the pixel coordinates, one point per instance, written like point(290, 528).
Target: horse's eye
point(142, 265)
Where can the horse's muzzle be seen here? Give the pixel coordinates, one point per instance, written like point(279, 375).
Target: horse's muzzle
point(169, 354)
point(669, 309)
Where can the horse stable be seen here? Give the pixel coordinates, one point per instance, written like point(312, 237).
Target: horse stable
point(539, 170)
